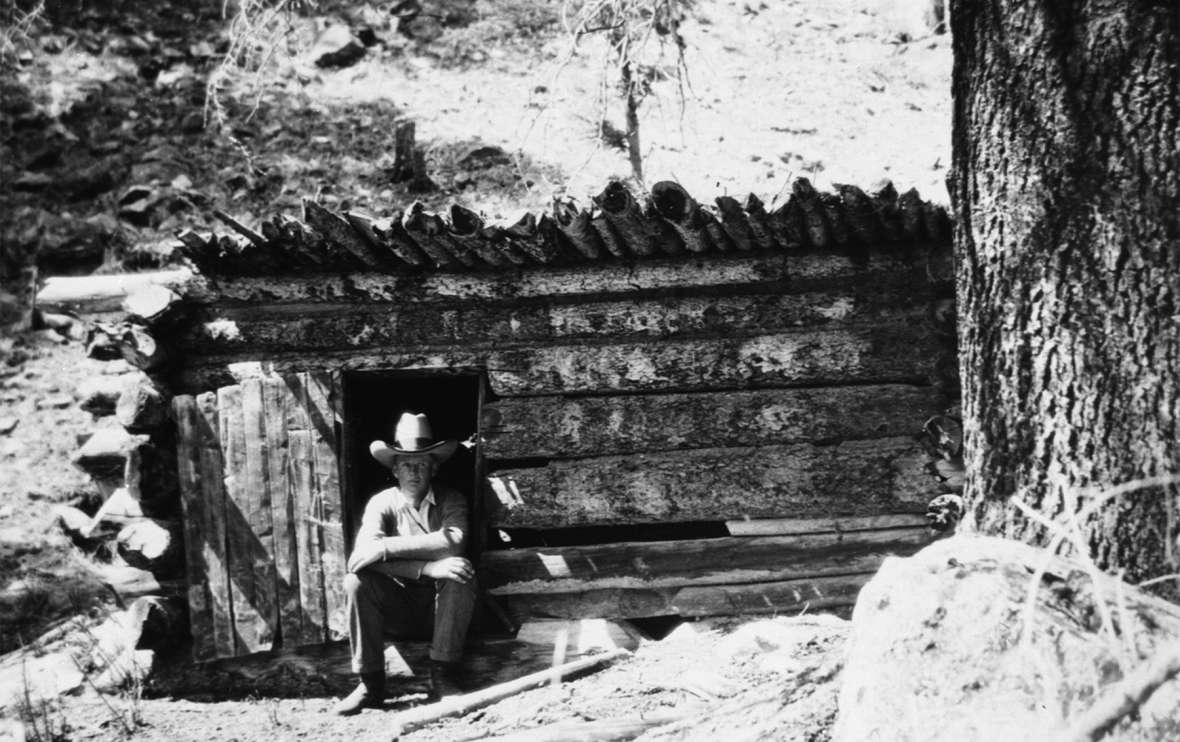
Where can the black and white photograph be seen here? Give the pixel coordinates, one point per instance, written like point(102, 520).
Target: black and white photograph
point(589, 370)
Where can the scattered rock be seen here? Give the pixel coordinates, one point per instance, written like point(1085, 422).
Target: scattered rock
point(99, 394)
point(484, 157)
point(8, 424)
point(50, 336)
point(105, 453)
point(32, 181)
point(337, 47)
point(55, 402)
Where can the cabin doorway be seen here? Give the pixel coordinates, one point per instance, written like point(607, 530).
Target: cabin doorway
point(373, 402)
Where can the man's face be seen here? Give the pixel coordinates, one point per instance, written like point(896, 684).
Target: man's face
point(414, 474)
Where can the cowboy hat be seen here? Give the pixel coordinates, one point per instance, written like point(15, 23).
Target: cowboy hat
point(412, 437)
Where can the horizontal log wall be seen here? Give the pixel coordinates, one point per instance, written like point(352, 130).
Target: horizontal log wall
point(760, 574)
point(802, 480)
point(781, 393)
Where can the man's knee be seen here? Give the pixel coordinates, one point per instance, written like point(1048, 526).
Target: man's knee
point(359, 584)
point(449, 589)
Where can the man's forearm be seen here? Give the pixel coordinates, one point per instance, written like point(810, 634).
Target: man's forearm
point(425, 546)
point(407, 569)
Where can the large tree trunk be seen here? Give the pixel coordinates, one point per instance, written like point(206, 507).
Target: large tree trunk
point(1067, 198)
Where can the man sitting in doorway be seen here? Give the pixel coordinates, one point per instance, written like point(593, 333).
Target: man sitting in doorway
point(407, 573)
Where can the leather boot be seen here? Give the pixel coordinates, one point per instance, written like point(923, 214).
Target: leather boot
point(370, 693)
point(444, 679)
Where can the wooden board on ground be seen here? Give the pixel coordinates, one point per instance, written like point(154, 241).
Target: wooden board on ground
point(323, 669)
point(801, 480)
point(564, 427)
point(660, 564)
point(788, 596)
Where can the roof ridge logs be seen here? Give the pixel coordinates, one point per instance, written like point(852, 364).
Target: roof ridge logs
point(616, 225)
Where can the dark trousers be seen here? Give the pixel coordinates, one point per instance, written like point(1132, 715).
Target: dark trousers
point(377, 605)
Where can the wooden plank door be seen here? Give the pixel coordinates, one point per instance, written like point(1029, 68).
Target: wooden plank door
point(260, 485)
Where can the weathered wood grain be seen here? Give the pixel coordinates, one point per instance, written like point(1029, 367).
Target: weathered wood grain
point(323, 409)
point(575, 224)
point(626, 217)
point(213, 490)
point(197, 528)
point(836, 523)
point(563, 427)
point(801, 480)
point(337, 327)
point(868, 353)
point(276, 398)
point(313, 623)
point(790, 596)
point(793, 270)
point(249, 517)
point(731, 560)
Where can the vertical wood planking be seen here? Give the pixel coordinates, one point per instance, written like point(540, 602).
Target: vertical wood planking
point(251, 632)
point(323, 402)
point(307, 540)
point(211, 471)
point(256, 505)
point(276, 401)
point(196, 528)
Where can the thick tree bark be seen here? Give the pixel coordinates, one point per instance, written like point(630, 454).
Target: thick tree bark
point(1066, 186)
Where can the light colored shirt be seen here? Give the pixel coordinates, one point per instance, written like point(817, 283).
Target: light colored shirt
point(389, 514)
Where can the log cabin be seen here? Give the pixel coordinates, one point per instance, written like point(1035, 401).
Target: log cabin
point(667, 407)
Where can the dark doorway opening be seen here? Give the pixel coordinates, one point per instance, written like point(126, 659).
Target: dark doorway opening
point(373, 402)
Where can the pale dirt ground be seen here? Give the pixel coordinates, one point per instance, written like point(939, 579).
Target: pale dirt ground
point(775, 91)
point(778, 90)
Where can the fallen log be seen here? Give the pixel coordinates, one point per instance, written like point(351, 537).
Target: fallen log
point(407, 721)
point(599, 730)
point(88, 295)
point(154, 306)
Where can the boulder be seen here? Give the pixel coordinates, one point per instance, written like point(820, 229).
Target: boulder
point(944, 646)
point(337, 47)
